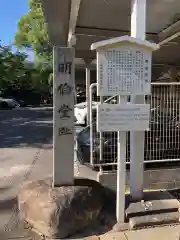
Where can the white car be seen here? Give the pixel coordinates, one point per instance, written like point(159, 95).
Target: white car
point(80, 110)
point(6, 103)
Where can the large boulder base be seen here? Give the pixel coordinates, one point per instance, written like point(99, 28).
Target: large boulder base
point(62, 211)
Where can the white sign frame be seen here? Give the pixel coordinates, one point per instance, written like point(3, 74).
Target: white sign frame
point(120, 86)
point(113, 117)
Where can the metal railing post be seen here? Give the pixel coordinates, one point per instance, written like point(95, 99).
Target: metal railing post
point(101, 139)
point(91, 123)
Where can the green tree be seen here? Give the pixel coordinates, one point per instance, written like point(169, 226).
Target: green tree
point(32, 32)
point(40, 77)
point(12, 70)
point(17, 73)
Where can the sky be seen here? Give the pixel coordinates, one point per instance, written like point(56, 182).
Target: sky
point(10, 13)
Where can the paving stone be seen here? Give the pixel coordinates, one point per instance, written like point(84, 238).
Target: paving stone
point(164, 233)
point(118, 227)
point(113, 236)
point(154, 219)
point(92, 238)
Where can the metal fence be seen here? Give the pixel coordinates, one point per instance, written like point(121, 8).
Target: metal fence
point(162, 140)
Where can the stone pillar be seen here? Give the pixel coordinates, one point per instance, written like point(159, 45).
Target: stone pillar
point(63, 116)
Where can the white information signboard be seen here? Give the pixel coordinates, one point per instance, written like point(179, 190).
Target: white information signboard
point(124, 71)
point(122, 117)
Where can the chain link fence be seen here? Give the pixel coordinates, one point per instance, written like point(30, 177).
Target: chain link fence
point(162, 140)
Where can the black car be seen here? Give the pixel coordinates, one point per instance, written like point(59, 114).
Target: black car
point(81, 96)
point(162, 139)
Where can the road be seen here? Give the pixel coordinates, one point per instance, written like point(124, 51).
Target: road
point(23, 133)
point(25, 127)
point(25, 146)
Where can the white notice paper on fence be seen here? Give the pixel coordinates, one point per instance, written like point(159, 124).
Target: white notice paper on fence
point(126, 117)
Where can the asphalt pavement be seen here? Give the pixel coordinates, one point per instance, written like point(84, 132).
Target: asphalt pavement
point(24, 134)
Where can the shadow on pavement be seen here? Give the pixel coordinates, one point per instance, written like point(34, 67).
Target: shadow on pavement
point(28, 127)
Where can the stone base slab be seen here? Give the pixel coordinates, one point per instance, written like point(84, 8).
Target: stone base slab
point(156, 208)
point(153, 203)
point(154, 220)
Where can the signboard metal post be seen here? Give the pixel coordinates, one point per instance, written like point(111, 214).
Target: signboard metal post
point(63, 116)
point(121, 170)
point(88, 83)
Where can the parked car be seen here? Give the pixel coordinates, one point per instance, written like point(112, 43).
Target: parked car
point(8, 103)
point(80, 110)
point(26, 97)
point(162, 138)
point(19, 101)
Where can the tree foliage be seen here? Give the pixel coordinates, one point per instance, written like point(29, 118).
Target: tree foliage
point(15, 73)
point(32, 31)
point(11, 67)
point(40, 77)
